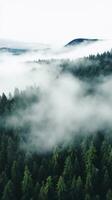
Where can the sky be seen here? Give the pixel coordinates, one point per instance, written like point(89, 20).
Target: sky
point(55, 22)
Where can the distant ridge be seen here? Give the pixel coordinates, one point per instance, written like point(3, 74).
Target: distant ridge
point(18, 48)
point(13, 50)
point(12, 44)
point(80, 41)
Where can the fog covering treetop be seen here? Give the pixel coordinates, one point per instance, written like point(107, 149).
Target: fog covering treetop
point(79, 169)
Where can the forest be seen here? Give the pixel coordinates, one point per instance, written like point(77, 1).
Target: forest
point(79, 170)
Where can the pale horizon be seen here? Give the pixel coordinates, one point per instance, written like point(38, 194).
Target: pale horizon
point(54, 22)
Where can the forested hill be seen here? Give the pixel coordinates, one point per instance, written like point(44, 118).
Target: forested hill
point(90, 67)
point(80, 170)
point(81, 41)
point(85, 68)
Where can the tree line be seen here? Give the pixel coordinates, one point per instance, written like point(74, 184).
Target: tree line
point(80, 171)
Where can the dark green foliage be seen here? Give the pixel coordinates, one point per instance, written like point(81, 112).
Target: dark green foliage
point(109, 195)
point(61, 189)
point(8, 193)
point(27, 177)
point(27, 185)
point(81, 171)
point(90, 68)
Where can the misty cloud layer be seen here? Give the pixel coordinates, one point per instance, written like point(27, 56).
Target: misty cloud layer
point(65, 108)
point(21, 70)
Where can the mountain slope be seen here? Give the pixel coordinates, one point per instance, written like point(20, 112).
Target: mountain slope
point(81, 41)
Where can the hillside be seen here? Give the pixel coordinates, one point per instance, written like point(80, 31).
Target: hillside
point(77, 167)
point(81, 41)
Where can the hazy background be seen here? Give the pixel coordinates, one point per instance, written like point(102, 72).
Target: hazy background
point(55, 21)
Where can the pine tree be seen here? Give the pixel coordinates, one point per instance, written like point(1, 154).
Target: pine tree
point(8, 193)
point(3, 182)
point(68, 169)
point(3, 104)
point(87, 197)
point(36, 191)
point(61, 189)
point(73, 189)
point(106, 181)
point(79, 189)
point(49, 188)
point(88, 184)
point(27, 185)
point(15, 177)
point(109, 195)
point(42, 194)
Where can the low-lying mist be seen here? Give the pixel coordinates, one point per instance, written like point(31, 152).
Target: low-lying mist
point(65, 108)
point(22, 70)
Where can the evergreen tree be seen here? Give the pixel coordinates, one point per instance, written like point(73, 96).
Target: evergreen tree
point(42, 194)
point(79, 189)
point(106, 182)
point(87, 197)
point(36, 191)
point(68, 170)
point(89, 185)
point(16, 179)
point(73, 189)
point(61, 189)
point(8, 193)
point(49, 188)
point(27, 185)
point(109, 195)
point(3, 182)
